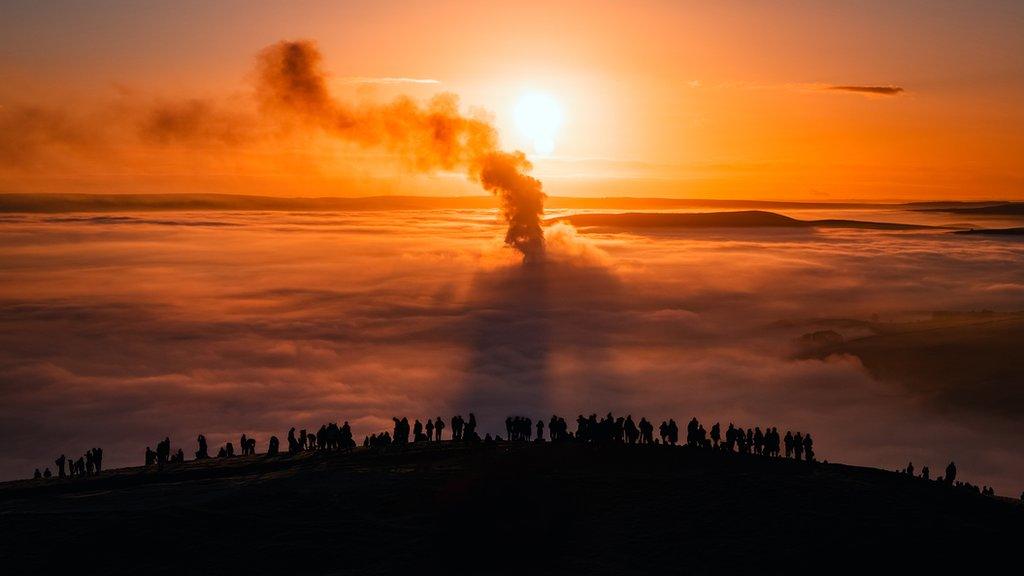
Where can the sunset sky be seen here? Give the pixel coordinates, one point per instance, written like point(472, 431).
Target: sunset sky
point(890, 331)
point(782, 100)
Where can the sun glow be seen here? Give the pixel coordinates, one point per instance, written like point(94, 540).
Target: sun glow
point(539, 117)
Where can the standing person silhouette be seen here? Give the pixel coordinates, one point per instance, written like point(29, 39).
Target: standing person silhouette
point(203, 451)
point(457, 425)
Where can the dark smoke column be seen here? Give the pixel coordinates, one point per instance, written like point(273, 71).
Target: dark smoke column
point(522, 201)
point(291, 87)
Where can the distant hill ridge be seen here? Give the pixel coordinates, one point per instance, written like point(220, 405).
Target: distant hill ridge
point(732, 219)
point(55, 203)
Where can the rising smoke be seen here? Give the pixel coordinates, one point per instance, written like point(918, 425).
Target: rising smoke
point(292, 96)
point(291, 85)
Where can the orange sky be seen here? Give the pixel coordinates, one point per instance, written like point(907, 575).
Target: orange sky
point(660, 98)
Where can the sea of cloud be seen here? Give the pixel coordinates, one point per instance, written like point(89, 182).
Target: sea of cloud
point(118, 331)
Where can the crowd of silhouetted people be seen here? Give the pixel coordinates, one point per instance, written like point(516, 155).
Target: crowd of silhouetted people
point(89, 464)
point(432, 431)
point(949, 479)
point(331, 437)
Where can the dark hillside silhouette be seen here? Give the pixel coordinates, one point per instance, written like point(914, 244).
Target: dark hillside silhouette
point(602, 495)
point(503, 508)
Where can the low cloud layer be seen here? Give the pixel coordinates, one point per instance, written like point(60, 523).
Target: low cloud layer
point(119, 332)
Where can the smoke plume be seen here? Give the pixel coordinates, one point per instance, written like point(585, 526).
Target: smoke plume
point(292, 99)
point(292, 86)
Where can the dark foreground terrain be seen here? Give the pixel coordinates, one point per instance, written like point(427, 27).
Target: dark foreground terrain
point(503, 508)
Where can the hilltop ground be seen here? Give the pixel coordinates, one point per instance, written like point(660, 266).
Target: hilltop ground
point(500, 508)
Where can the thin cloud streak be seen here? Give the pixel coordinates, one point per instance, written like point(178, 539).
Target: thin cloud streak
point(388, 80)
point(873, 90)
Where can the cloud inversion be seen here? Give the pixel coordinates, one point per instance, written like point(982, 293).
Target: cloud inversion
point(118, 332)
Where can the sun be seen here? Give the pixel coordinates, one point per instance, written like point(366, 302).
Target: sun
point(539, 117)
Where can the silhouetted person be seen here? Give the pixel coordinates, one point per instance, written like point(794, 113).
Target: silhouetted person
point(203, 452)
point(80, 466)
point(417, 431)
point(950, 473)
point(47, 474)
point(347, 441)
point(60, 465)
point(924, 473)
point(438, 427)
point(430, 430)
point(163, 451)
point(630, 431)
point(809, 448)
point(243, 443)
point(673, 432)
point(397, 430)
point(540, 430)
point(910, 469)
point(788, 441)
point(798, 446)
point(746, 440)
point(150, 456)
point(691, 431)
point(229, 449)
point(716, 435)
point(646, 432)
point(274, 447)
point(38, 475)
point(97, 458)
point(457, 427)
point(293, 444)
